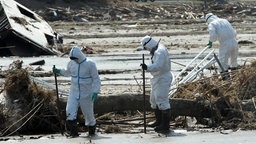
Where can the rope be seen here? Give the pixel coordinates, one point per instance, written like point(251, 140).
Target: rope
point(39, 105)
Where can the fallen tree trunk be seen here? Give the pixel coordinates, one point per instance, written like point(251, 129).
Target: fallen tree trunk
point(108, 104)
point(180, 107)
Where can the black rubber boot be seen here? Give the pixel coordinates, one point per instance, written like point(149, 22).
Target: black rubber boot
point(72, 128)
point(165, 122)
point(92, 130)
point(158, 116)
point(233, 68)
point(86, 129)
point(225, 75)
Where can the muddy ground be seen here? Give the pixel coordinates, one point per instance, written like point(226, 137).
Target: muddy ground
point(114, 39)
point(115, 27)
point(179, 25)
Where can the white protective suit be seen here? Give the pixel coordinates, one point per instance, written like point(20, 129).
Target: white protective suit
point(221, 30)
point(160, 70)
point(84, 82)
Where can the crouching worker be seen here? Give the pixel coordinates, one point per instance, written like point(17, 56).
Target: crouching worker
point(84, 89)
point(160, 83)
point(220, 29)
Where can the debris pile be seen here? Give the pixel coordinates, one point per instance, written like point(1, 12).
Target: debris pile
point(225, 98)
point(123, 11)
point(28, 107)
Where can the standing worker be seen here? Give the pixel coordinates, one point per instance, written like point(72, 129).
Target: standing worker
point(160, 82)
point(84, 89)
point(221, 30)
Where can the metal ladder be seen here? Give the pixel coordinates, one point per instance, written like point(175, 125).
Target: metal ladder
point(202, 60)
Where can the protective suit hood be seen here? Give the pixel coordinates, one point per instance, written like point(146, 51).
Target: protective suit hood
point(148, 43)
point(210, 17)
point(77, 53)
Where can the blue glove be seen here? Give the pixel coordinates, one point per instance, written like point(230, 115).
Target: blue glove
point(209, 44)
point(55, 70)
point(144, 66)
point(94, 97)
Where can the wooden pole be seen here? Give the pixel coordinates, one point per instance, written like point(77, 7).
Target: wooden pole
point(58, 101)
point(218, 61)
point(144, 95)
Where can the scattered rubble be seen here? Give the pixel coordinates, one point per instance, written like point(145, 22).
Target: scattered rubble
point(226, 99)
point(28, 108)
point(127, 11)
point(27, 23)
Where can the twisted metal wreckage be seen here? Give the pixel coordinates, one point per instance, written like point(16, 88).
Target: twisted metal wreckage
point(24, 33)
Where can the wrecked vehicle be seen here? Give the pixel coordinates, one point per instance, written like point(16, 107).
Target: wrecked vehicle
point(24, 33)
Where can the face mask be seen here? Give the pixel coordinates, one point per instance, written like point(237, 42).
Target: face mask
point(74, 59)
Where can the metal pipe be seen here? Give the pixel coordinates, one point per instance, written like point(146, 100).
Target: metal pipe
point(182, 71)
point(196, 67)
point(218, 61)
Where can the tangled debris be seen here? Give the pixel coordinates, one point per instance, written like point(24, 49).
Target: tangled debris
point(225, 98)
point(28, 107)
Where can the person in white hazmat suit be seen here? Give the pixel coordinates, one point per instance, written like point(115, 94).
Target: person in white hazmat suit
point(84, 89)
point(160, 82)
point(220, 29)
